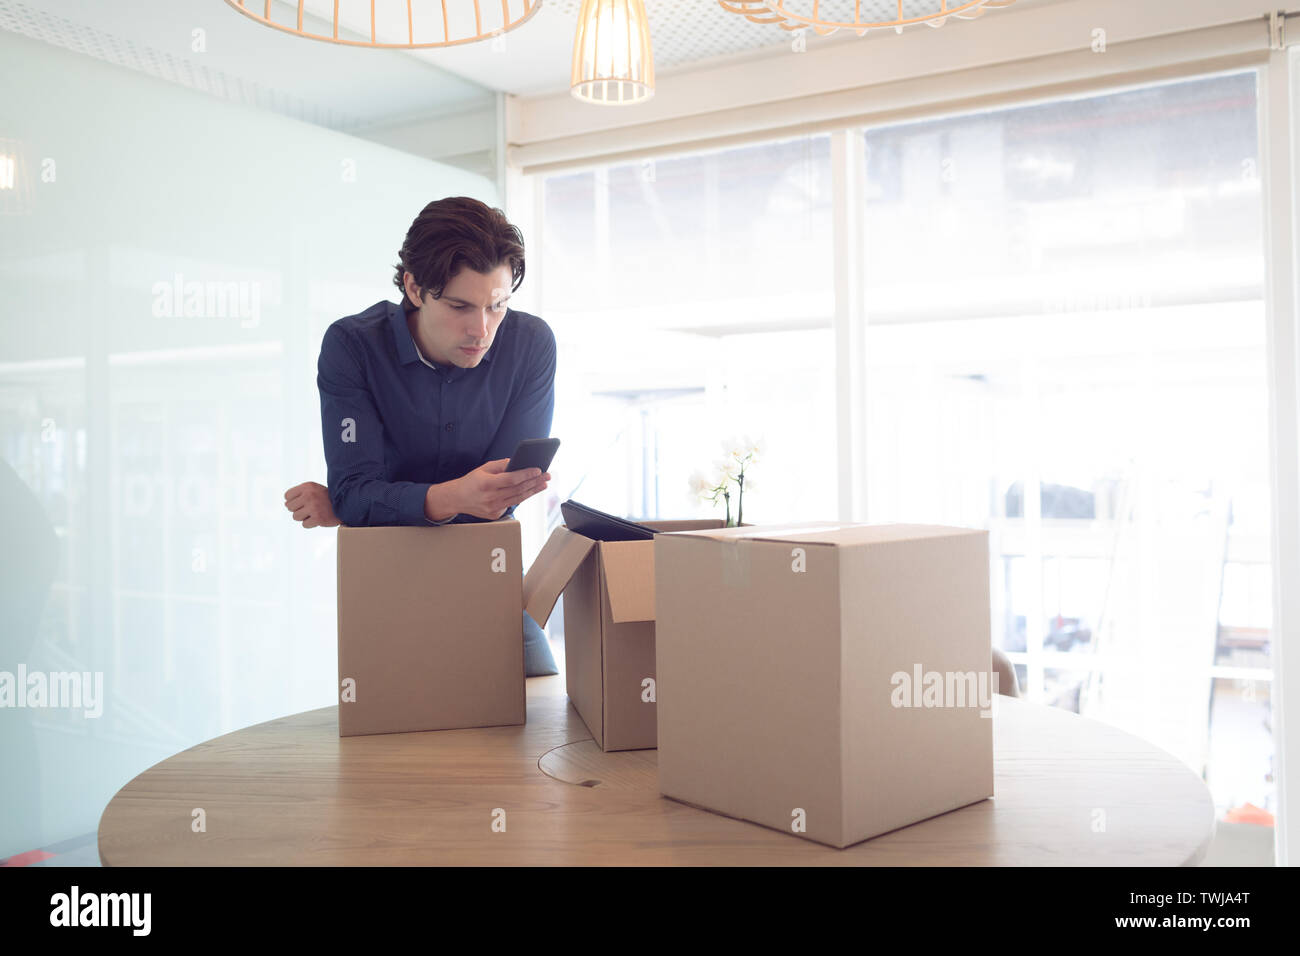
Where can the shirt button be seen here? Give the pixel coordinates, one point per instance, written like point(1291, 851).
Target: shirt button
point(450, 426)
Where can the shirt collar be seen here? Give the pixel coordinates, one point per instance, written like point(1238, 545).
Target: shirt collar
point(407, 352)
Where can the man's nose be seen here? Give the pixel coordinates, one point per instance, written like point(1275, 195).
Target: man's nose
point(479, 328)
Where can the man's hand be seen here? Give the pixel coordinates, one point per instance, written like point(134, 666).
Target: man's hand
point(310, 504)
point(488, 490)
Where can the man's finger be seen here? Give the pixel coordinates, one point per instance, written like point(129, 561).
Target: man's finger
point(523, 496)
point(524, 477)
point(526, 490)
point(311, 522)
point(496, 467)
point(515, 479)
point(301, 514)
point(294, 503)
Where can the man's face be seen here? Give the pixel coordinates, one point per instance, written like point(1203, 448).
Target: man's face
point(458, 328)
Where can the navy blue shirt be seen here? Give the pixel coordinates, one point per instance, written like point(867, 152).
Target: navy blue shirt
point(393, 425)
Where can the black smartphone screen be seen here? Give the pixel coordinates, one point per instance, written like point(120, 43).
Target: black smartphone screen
point(534, 453)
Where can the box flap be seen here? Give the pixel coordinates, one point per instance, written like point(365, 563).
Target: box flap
point(629, 568)
point(690, 524)
point(801, 531)
point(829, 533)
point(554, 565)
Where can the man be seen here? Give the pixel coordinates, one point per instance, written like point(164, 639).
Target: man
point(422, 403)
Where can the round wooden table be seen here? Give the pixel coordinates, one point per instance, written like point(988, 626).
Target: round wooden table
point(1068, 791)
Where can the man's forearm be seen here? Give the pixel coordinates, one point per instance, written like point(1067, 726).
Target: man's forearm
point(441, 502)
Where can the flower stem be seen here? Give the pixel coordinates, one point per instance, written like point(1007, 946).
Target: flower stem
point(740, 499)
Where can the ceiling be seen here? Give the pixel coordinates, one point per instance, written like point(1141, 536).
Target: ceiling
point(349, 88)
point(339, 87)
point(685, 34)
point(537, 58)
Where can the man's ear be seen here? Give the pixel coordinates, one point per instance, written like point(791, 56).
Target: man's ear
point(409, 281)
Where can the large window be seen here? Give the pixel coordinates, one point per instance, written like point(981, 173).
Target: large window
point(1066, 347)
point(692, 298)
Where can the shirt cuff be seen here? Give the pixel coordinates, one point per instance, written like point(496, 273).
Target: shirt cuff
point(410, 504)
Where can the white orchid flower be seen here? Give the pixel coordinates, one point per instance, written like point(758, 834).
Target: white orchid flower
point(702, 484)
point(728, 469)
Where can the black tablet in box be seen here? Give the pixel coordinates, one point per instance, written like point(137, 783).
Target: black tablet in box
point(600, 526)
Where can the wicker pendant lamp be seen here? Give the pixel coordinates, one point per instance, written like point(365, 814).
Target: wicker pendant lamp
point(827, 16)
point(758, 11)
point(612, 60)
point(403, 24)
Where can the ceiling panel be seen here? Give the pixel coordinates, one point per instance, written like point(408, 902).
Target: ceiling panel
point(350, 88)
point(340, 87)
point(535, 58)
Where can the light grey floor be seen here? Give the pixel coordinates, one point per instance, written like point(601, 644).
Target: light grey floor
point(79, 851)
point(1240, 844)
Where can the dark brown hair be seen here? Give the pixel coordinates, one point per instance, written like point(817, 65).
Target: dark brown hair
point(452, 233)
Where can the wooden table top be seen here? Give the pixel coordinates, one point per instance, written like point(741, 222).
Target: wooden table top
point(1068, 791)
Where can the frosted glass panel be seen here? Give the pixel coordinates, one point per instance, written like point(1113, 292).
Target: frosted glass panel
point(168, 265)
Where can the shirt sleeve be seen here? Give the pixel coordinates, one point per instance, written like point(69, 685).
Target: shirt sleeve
point(354, 444)
point(532, 407)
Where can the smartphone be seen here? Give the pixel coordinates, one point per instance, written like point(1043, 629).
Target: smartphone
point(534, 453)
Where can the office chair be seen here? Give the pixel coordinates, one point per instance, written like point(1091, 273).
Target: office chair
point(1002, 666)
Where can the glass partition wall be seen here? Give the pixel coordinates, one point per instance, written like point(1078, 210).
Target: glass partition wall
point(159, 330)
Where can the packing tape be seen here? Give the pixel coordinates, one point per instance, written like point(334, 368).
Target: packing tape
point(776, 533)
point(735, 564)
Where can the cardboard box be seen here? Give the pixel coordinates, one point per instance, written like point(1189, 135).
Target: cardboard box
point(430, 627)
point(609, 627)
point(794, 672)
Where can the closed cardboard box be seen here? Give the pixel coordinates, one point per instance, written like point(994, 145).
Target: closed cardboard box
point(830, 681)
point(609, 627)
point(430, 627)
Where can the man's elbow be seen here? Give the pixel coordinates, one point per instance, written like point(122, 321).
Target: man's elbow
point(349, 508)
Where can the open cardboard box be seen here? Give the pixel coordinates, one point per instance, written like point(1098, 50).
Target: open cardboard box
point(609, 627)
